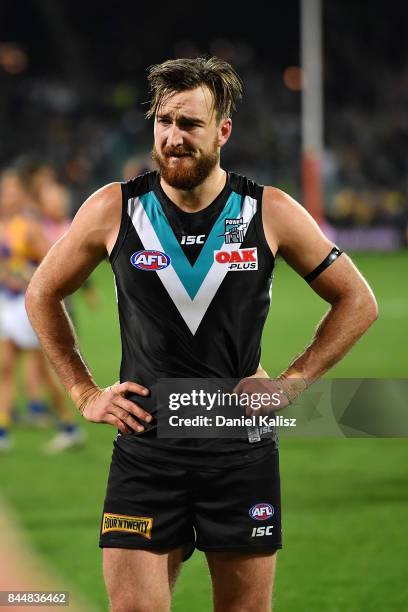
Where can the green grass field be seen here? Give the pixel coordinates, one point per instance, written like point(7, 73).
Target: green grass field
point(345, 501)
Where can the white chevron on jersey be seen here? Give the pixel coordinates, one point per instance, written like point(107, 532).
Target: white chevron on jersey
point(191, 310)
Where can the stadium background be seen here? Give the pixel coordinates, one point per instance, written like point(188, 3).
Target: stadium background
point(73, 88)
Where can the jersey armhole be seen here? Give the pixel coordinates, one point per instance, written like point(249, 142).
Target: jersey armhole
point(259, 226)
point(123, 228)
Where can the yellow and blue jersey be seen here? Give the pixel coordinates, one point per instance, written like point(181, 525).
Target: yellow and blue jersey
point(18, 259)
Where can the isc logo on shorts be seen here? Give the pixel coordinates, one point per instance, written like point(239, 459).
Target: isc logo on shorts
point(142, 525)
point(261, 512)
point(238, 259)
point(150, 261)
point(258, 532)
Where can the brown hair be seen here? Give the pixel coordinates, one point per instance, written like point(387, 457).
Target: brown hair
point(181, 74)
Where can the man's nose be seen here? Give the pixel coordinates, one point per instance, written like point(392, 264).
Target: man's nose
point(174, 136)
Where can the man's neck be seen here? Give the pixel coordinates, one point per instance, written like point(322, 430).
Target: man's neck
point(196, 199)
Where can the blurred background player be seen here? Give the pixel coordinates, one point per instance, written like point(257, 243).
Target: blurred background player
point(47, 203)
point(23, 243)
point(22, 246)
point(52, 204)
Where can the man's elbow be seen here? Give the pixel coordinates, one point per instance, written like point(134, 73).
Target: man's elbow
point(367, 307)
point(32, 296)
point(374, 311)
point(36, 294)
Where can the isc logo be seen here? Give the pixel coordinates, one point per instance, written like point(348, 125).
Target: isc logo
point(262, 531)
point(193, 239)
point(150, 260)
point(239, 259)
point(261, 512)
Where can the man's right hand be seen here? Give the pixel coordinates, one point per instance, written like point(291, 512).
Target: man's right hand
point(111, 406)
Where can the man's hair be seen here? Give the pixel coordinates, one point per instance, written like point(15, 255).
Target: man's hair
point(178, 75)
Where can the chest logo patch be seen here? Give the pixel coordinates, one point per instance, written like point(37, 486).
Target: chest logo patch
point(150, 261)
point(234, 231)
point(238, 259)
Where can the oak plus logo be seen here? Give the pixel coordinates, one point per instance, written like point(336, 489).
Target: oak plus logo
point(237, 260)
point(234, 232)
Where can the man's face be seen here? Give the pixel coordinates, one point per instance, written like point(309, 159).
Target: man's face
point(187, 137)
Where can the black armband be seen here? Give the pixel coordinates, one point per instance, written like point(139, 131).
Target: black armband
point(332, 256)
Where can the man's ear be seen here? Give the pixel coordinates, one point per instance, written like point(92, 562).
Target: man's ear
point(224, 131)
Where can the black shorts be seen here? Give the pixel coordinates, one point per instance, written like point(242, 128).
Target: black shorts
point(153, 506)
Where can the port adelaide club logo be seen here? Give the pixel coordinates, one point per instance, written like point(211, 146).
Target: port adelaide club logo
point(234, 231)
point(150, 261)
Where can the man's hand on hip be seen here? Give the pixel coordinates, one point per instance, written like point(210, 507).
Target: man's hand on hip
point(264, 391)
point(111, 406)
point(272, 393)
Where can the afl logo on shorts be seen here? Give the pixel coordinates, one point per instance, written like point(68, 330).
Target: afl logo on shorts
point(261, 512)
point(150, 261)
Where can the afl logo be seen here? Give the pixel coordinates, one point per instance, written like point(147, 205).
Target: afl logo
point(150, 260)
point(261, 512)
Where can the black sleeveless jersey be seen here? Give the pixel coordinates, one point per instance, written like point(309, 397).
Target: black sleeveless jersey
point(193, 292)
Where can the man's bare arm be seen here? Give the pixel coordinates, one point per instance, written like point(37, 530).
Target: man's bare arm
point(63, 270)
point(292, 233)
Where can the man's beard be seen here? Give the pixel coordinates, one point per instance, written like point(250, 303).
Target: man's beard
point(186, 174)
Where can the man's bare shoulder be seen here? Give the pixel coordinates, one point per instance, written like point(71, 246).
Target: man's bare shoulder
point(282, 217)
point(105, 201)
point(284, 211)
point(279, 203)
point(100, 215)
point(292, 231)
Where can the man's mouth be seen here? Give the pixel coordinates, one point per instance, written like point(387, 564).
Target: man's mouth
point(177, 155)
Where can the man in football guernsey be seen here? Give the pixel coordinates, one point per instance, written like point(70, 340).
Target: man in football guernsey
point(192, 249)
